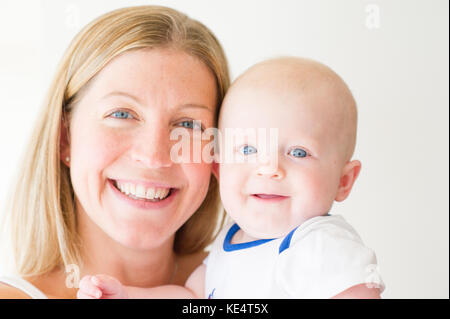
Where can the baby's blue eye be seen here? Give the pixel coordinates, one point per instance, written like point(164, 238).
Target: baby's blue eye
point(122, 115)
point(298, 152)
point(248, 150)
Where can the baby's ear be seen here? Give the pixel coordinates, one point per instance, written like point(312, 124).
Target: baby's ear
point(349, 174)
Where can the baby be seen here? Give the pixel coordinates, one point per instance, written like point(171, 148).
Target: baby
point(283, 243)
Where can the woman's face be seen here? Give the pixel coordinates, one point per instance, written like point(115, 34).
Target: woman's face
point(120, 145)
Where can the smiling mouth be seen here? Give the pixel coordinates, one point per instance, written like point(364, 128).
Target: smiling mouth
point(142, 193)
point(269, 196)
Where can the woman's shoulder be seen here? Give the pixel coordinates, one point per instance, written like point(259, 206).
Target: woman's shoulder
point(187, 264)
point(16, 287)
point(9, 292)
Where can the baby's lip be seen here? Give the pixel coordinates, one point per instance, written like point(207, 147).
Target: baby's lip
point(269, 196)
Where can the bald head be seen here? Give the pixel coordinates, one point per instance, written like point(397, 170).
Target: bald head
point(307, 78)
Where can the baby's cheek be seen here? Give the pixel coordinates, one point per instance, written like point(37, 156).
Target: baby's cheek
point(231, 186)
point(320, 192)
point(231, 176)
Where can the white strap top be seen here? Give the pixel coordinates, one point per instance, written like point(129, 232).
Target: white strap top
point(24, 286)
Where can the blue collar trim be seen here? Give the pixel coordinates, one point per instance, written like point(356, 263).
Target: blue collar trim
point(228, 246)
point(286, 241)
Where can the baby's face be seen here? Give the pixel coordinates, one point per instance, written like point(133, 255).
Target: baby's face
point(306, 175)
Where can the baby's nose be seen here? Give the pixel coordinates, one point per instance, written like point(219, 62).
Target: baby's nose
point(272, 171)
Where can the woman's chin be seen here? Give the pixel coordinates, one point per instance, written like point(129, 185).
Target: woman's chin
point(137, 236)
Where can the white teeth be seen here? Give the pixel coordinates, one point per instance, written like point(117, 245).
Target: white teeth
point(141, 191)
point(163, 193)
point(150, 193)
point(132, 189)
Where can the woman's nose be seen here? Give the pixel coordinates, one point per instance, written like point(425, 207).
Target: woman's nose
point(151, 148)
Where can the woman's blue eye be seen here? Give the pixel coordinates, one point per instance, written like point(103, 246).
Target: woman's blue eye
point(298, 152)
point(191, 124)
point(248, 150)
point(122, 115)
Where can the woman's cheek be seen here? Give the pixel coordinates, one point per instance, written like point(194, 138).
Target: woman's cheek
point(97, 148)
point(92, 152)
point(201, 149)
point(198, 175)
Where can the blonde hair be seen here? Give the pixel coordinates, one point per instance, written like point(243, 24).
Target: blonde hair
point(42, 216)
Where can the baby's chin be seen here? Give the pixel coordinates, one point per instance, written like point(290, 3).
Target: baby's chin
point(268, 231)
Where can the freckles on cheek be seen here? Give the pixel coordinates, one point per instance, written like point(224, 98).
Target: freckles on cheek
point(107, 147)
point(200, 151)
point(198, 177)
point(96, 148)
point(197, 173)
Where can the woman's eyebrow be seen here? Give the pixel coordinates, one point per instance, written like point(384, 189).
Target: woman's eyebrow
point(192, 105)
point(137, 100)
point(121, 93)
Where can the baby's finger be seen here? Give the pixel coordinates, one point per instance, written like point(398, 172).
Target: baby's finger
point(107, 284)
point(87, 287)
point(82, 295)
point(84, 280)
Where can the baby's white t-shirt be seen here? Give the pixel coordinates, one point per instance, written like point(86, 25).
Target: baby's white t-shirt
point(319, 259)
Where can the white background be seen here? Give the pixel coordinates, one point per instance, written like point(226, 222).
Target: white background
point(393, 55)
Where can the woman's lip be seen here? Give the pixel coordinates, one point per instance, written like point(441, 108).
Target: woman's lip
point(143, 183)
point(143, 204)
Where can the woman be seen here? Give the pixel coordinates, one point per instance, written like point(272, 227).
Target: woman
point(98, 191)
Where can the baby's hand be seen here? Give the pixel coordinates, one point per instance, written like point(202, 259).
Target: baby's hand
point(101, 287)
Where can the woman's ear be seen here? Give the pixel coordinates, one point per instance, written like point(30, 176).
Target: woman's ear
point(215, 170)
point(349, 174)
point(64, 143)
